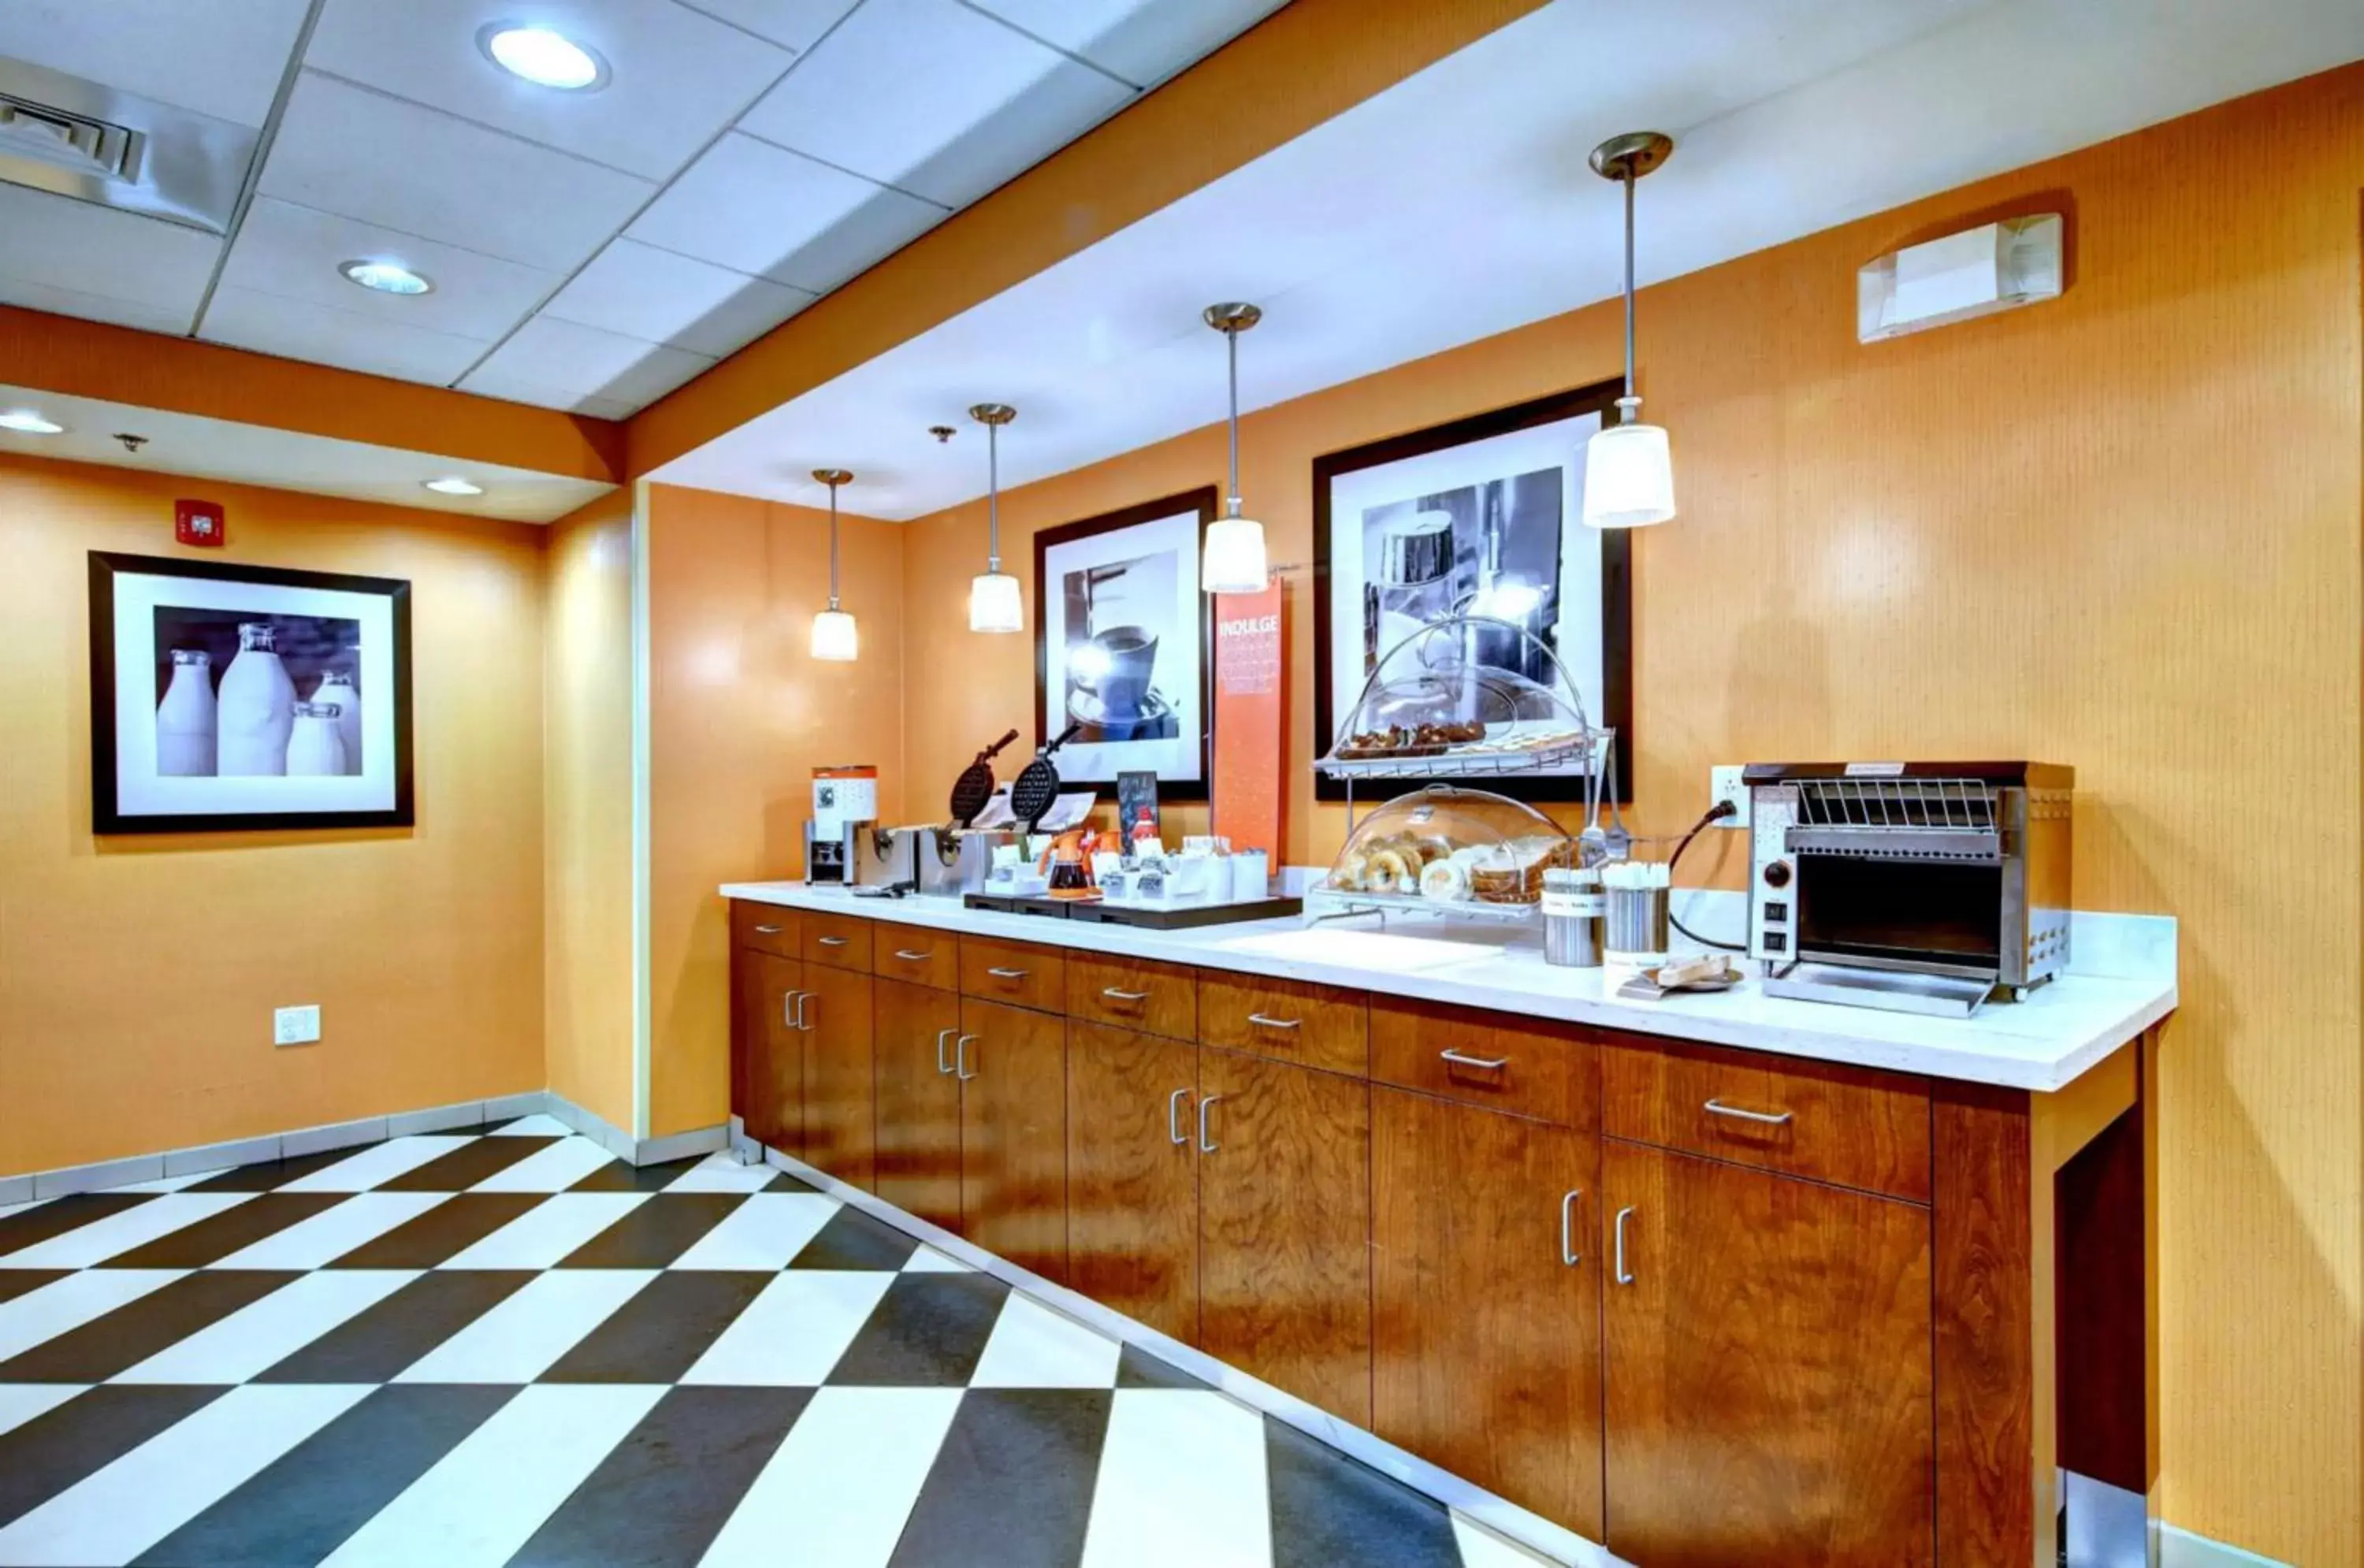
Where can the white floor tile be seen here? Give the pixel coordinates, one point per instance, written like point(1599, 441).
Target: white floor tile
point(538, 1237)
point(23, 1402)
point(1143, 1518)
point(840, 1489)
point(765, 1232)
point(376, 1162)
point(70, 1302)
point(550, 1170)
point(721, 1173)
point(928, 1260)
point(534, 1126)
point(519, 1340)
point(263, 1333)
point(115, 1515)
point(487, 1497)
point(1033, 1347)
point(793, 1333)
point(122, 1230)
point(319, 1241)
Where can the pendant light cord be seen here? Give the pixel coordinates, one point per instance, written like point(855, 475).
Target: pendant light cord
point(832, 544)
point(993, 499)
point(1232, 339)
point(1628, 182)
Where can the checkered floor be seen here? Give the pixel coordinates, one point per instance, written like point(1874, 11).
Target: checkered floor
point(507, 1347)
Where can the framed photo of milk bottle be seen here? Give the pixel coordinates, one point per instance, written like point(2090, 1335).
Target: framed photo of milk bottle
point(228, 697)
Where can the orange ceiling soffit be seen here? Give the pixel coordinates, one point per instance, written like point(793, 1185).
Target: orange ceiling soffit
point(1306, 63)
point(147, 370)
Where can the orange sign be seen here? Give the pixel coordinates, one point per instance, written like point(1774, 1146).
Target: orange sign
point(1248, 679)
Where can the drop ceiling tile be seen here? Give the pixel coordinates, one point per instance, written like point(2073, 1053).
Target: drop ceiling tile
point(660, 298)
point(798, 24)
point(346, 149)
point(94, 307)
point(762, 209)
point(294, 253)
point(222, 58)
point(564, 358)
point(933, 97)
point(298, 329)
point(1144, 41)
point(57, 242)
point(675, 77)
point(509, 390)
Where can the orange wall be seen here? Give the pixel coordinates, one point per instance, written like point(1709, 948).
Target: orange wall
point(740, 714)
point(2120, 531)
point(587, 808)
point(138, 975)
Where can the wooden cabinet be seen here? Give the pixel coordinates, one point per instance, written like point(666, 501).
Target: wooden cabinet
point(1133, 994)
point(764, 928)
point(1133, 1175)
point(773, 1076)
point(1768, 1375)
point(1285, 1227)
point(921, 957)
point(836, 942)
point(1314, 1026)
point(840, 1075)
point(1017, 972)
point(1013, 1065)
point(1525, 1065)
point(1485, 1300)
point(916, 1158)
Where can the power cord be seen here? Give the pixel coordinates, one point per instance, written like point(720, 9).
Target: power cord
point(1716, 813)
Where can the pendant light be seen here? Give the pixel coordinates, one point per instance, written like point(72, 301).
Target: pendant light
point(834, 635)
point(994, 604)
point(1629, 475)
point(1234, 559)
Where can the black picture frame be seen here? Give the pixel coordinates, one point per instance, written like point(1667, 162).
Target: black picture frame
point(1202, 501)
point(1616, 590)
point(108, 816)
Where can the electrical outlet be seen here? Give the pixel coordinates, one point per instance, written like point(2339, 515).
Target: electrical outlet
point(1724, 783)
point(296, 1026)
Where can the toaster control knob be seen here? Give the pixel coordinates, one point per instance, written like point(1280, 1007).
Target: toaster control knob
point(1777, 874)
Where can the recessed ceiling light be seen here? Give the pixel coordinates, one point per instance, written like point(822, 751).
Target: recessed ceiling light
point(543, 56)
point(385, 277)
point(30, 423)
point(453, 484)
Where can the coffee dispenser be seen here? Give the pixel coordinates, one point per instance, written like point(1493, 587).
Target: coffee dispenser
point(845, 806)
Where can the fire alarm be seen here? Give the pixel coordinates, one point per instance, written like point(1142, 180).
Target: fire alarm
point(200, 523)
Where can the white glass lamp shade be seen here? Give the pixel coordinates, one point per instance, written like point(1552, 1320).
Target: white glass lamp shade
point(1629, 478)
point(994, 604)
point(835, 638)
point(1234, 562)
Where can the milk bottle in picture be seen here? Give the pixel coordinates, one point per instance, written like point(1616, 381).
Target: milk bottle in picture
point(254, 709)
point(337, 688)
point(314, 749)
point(184, 719)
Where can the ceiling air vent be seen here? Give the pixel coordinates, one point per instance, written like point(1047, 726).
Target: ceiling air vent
point(76, 143)
point(87, 141)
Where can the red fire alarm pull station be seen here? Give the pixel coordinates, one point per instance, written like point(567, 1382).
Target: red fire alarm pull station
point(200, 523)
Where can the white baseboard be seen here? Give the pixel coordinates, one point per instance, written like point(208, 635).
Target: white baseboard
point(643, 1150)
point(2182, 1549)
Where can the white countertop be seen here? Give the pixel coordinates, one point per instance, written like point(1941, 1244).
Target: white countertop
point(2124, 983)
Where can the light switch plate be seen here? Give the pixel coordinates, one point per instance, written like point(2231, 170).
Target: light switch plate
point(296, 1026)
point(1724, 785)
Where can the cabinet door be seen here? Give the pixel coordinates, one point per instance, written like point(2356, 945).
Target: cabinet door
point(1014, 1134)
point(775, 1081)
point(1132, 1177)
point(1485, 1337)
point(1285, 1227)
point(917, 1158)
point(1769, 1384)
point(840, 1076)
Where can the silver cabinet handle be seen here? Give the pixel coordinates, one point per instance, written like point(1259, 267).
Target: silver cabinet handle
point(942, 1035)
point(1007, 973)
point(1567, 1253)
point(1205, 1105)
point(769, 930)
point(832, 941)
point(908, 956)
point(1491, 1063)
point(1764, 1118)
point(802, 997)
point(1265, 1021)
point(960, 1057)
point(1624, 1276)
point(1113, 995)
point(788, 1008)
point(1174, 1116)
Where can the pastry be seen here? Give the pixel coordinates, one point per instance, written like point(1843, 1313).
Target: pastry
point(1348, 875)
point(1390, 872)
point(1444, 881)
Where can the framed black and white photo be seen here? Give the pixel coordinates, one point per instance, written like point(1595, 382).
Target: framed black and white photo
point(226, 696)
point(1120, 644)
point(1483, 516)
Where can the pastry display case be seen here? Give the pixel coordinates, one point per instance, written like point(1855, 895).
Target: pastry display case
point(1443, 703)
point(1445, 851)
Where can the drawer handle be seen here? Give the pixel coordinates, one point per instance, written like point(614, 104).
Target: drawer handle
point(1174, 1117)
point(1624, 1276)
point(1491, 1063)
point(1266, 1021)
point(1007, 973)
point(960, 1057)
point(1567, 1253)
point(833, 941)
point(1763, 1119)
point(1113, 995)
point(908, 956)
point(1206, 1146)
point(941, 1065)
point(769, 930)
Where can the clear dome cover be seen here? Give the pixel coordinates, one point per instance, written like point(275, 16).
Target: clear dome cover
point(1448, 850)
point(1467, 689)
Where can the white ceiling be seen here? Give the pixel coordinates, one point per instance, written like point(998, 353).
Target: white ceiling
point(1457, 204)
point(590, 251)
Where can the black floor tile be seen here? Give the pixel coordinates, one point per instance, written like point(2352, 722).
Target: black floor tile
point(463, 1167)
point(852, 1240)
point(302, 1506)
point(270, 1173)
point(14, 1282)
point(927, 1331)
point(623, 1176)
point(1012, 1484)
point(442, 1233)
point(1328, 1509)
point(662, 1495)
point(386, 1338)
point(1136, 1368)
point(654, 1233)
point(124, 1338)
point(85, 1435)
point(659, 1333)
point(58, 1215)
point(215, 1236)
